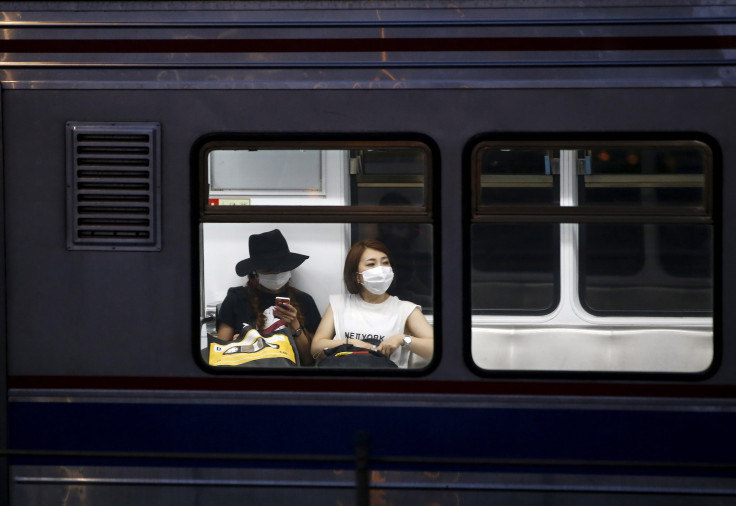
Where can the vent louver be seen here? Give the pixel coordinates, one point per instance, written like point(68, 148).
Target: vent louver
point(113, 186)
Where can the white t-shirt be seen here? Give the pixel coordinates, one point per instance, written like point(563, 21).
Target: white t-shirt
point(358, 319)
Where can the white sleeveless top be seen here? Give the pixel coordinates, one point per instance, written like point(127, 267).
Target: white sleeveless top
point(358, 319)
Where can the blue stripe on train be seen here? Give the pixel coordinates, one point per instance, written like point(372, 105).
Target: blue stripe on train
point(424, 432)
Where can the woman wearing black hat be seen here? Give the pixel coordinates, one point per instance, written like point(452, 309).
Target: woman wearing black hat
point(269, 270)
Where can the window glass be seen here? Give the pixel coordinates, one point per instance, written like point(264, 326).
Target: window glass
point(269, 208)
point(513, 267)
point(644, 176)
point(274, 174)
point(388, 177)
point(516, 176)
point(262, 171)
point(604, 262)
point(620, 275)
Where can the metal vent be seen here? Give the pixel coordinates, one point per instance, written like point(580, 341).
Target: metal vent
point(113, 186)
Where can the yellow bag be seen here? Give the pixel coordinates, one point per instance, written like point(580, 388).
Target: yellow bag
point(252, 349)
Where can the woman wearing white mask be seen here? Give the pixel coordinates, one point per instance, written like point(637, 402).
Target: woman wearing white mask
point(268, 272)
point(369, 317)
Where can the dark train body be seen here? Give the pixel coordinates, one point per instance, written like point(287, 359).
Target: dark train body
point(107, 399)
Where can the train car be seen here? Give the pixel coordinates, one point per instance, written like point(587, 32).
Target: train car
point(551, 180)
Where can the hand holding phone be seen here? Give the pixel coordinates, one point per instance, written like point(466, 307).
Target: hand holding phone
point(282, 308)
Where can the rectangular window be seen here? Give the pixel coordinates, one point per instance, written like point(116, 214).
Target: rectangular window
point(321, 197)
point(592, 256)
point(266, 172)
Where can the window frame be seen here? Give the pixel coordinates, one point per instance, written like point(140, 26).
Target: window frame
point(202, 213)
point(707, 214)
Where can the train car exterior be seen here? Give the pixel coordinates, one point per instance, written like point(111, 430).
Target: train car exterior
point(553, 179)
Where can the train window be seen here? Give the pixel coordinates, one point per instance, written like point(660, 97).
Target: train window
point(263, 200)
point(274, 174)
point(516, 176)
point(610, 270)
point(265, 173)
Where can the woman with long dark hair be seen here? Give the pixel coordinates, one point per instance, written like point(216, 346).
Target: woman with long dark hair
point(260, 304)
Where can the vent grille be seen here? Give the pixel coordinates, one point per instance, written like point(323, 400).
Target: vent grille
point(113, 186)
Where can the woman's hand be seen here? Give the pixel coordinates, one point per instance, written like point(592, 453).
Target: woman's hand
point(391, 344)
point(289, 314)
point(359, 344)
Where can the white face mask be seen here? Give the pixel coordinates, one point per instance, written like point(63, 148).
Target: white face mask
point(378, 279)
point(274, 281)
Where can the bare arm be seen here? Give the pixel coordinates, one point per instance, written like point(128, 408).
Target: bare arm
point(323, 338)
point(421, 332)
point(303, 346)
point(225, 332)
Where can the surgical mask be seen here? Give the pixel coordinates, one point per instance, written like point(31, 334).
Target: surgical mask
point(378, 279)
point(274, 281)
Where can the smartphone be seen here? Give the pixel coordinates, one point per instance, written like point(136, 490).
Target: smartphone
point(282, 300)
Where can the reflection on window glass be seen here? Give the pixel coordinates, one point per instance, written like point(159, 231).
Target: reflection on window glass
point(337, 177)
point(517, 176)
point(613, 274)
point(645, 177)
point(656, 269)
point(686, 250)
point(513, 267)
point(612, 249)
point(388, 177)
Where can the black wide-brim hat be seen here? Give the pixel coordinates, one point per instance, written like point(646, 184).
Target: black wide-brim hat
point(269, 251)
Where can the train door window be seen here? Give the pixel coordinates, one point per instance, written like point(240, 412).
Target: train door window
point(322, 197)
point(611, 270)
